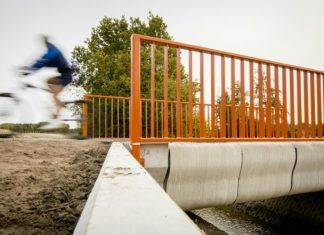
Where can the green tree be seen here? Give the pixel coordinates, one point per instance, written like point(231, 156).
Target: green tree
point(102, 65)
point(237, 91)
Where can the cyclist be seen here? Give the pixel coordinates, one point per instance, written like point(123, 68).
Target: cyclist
point(54, 58)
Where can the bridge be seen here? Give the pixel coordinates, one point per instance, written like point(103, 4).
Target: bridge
point(216, 128)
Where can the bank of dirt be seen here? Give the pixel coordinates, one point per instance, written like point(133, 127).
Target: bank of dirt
point(45, 181)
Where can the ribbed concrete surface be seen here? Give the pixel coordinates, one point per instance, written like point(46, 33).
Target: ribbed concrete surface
point(308, 174)
point(203, 174)
point(266, 170)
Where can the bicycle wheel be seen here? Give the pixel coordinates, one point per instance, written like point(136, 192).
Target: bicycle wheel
point(6, 133)
point(8, 107)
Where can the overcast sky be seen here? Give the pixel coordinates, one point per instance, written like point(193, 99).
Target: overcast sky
point(289, 31)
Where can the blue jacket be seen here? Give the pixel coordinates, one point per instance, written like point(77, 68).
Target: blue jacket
point(52, 58)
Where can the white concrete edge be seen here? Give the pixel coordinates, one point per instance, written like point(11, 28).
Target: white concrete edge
point(127, 200)
point(85, 215)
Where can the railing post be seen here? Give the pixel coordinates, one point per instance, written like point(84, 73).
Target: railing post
point(152, 89)
point(135, 116)
point(178, 108)
point(223, 100)
point(165, 93)
point(85, 117)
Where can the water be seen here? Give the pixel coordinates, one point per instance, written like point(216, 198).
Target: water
point(232, 222)
point(295, 214)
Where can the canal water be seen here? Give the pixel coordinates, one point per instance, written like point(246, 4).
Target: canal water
point(297, 214)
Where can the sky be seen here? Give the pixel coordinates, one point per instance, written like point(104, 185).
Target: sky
point(288, 31)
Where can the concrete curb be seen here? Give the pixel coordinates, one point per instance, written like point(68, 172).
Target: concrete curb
point(127, 200)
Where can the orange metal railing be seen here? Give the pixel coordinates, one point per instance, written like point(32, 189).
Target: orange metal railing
point(240, 98)
point(106, 116)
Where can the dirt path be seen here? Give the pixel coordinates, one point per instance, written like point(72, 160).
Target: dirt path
point(45, 181)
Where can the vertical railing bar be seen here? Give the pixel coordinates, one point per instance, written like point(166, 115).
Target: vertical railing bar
point(284, 102)
point(208, 122)
point(105, 117)
point(258, 122)
point(251, 113)
point(319, 107)
point(223, 100)
point(273, 129)
point(93, 111)
point(162, 117)
point(196, 120)
point(212, 77)
point(171, 106)
point(190, 94)
point(299, 106)
point(292, 104)
point(117, 118)
point(312, 93)
point(181, 130)
point(202, 108)
point(322, 103)
point(85, 116)
point(112, 118)
point(217, 129)
point(152, 88)
point(247, 124)
point(242, 106)
point(277, 103)
point(124, 118)
point(146, 127)
point(99, 118)
point(261, 113)
point(228, 126)
point(269, 104)
point(129, 118)
point(186, 118)
point(166, 96)
point(157, 119)
point(178, 111)
point(233, 102)
point(306, 109)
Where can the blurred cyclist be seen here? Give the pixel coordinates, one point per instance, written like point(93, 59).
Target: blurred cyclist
point(54, 58)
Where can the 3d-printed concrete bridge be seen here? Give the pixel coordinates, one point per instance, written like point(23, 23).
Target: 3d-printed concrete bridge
point(214, 127)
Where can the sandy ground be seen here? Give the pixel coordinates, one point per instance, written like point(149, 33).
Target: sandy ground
point(45, 181)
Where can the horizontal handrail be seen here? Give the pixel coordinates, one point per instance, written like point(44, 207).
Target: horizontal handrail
point(181, 45)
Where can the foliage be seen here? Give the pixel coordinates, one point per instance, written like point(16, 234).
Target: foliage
point(34, 128)
point(102, 65)
point(247, 93)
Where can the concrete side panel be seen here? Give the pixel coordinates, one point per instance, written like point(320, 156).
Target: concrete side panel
point(308, 174)
point(266, 170)
point(156, 160)
point(203, 174)
point(127, 200)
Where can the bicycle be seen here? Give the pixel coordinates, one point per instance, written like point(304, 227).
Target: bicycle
point(13, 99)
